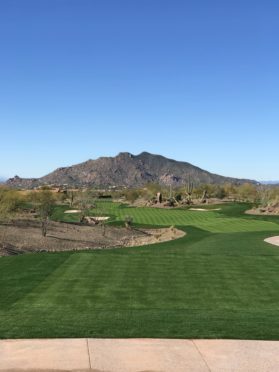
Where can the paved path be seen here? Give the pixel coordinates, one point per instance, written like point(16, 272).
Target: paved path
point(138, 355)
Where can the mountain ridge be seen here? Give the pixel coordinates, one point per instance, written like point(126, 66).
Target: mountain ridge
point(126, 169)
point(274, 183)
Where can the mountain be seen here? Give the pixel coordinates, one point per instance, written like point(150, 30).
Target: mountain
point(126, 169)
point(269, 182)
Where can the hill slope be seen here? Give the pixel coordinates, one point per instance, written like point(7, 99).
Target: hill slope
point(126, 169)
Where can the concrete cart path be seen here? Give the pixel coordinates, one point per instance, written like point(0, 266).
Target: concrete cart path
point(138, 355)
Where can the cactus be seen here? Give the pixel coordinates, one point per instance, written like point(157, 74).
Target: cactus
point(189, 189)
point(204, 197)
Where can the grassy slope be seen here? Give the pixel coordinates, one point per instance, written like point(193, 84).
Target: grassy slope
point(221, 280)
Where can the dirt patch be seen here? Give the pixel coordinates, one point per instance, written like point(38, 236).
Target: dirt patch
point(269, 211)
point(153, 236)
point(273, 240)
point(55, 370)
point(25, 236)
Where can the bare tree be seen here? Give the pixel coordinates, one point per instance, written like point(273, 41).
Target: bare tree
point(85, 202)
point(44, 204)
point(71, 195)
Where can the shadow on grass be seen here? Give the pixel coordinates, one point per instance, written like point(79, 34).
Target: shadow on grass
point(25, 272)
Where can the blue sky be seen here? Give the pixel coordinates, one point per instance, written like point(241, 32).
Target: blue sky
point(192, 80)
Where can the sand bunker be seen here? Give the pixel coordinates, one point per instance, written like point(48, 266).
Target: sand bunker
point(94, 218)
point(198, 209)
point(273, 240)
point(73, 211)
point(89, 218)
point(204, 209)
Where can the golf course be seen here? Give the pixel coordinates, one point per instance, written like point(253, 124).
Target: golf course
point(219, 281)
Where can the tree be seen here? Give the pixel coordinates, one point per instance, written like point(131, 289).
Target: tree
point(230, 190)
point(264, 195)
point(85, 201)
point(151, 190)
point(9, 205)
point(219, 192)
point(45, 201)
point(71, 195)
point(248, 192)
point(274, 195)
point(268, 195)
point(132, 195)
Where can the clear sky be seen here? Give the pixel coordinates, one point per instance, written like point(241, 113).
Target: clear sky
point(192, 80)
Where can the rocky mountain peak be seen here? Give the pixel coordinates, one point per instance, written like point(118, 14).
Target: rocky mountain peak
point(126, 169)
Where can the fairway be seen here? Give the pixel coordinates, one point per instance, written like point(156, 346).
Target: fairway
point(219, 281)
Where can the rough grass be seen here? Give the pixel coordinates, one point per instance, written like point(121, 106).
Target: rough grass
point(219, 281)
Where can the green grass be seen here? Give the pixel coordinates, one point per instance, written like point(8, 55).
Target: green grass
point(219, 281)
point(213, 221)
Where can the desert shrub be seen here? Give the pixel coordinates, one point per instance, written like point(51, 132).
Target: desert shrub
point(132, 195)
point(128, 221)
point(247, 192)
point(178, 197)
point(10, 202)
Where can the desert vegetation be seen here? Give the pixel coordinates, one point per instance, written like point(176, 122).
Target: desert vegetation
point(39, 222)
point(191, 194)
point(47, 207)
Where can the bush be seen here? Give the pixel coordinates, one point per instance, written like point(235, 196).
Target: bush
point(128, 222)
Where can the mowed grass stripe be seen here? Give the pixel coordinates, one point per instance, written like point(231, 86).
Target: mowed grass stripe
point(81, 283)
point(166, 284)
point(209, 221)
